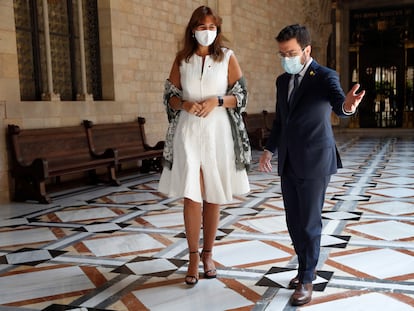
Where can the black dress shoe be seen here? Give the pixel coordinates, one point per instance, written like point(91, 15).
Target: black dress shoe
point(295, 281)
point(302, 294)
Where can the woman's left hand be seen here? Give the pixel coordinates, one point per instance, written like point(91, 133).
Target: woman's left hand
point(207, 106)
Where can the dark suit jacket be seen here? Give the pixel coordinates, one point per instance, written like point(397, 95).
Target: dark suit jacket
point(303, 132)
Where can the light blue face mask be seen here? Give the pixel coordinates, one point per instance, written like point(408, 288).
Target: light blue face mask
point(292, 65)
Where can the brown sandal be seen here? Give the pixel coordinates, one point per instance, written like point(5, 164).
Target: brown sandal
point(192, 279)
point(209, 274)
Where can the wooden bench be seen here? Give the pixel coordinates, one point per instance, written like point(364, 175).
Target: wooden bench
point(259, 126)
point(254, 123)
point(37, 155)
point(269, 117)
point(129, 140)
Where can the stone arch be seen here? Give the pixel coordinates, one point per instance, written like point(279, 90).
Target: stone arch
point(318, 18)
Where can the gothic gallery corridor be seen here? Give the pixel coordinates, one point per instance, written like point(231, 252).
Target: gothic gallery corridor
point(124, 248)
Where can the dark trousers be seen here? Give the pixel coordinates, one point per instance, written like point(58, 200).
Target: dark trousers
point(303, 200)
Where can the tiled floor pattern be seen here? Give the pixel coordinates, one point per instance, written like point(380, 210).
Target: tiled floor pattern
point(123, 248)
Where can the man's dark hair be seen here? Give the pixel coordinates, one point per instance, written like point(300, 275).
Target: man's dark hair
point(296, 31)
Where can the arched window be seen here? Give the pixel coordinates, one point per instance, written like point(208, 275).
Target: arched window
point(50, 50)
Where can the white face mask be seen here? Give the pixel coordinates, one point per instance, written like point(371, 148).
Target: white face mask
point(205, 37)
point(292, 65)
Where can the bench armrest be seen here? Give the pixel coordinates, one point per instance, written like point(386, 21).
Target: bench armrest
point(39, 167)
point(158, 146)
point(107, 154)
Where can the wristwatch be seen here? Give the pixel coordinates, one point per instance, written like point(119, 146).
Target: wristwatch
point(220, 101)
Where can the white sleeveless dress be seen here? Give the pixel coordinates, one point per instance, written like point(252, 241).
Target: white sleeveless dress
point(204, 143)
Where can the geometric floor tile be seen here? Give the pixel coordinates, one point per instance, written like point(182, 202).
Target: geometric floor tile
point(30, 257)
point(127, 198)
point(221, 234)
point(359, 184)
point(335, 241)
point(165, 220)
point(150, 266)
point(242, 211)
point(368, 302)
point(212, 293)
point(265, 195)
point(280, 277)
point(381, 263)
point(79, 214)
point(247, 252)
point(386, 230)
point(398, 180)
point(102, 227)
point(122, 244)
point(396, 192)
point(340, 179)
point(56, 307)
point(266, 224)
point(364, 174)
point(26, 236)
point(339, 215)
point(331, 189)
point(97, 248)
point(402, 171)
point(351, 197)
point(399, 163)
point(391, 207)
point(57, 281)
point(15, 222)
point(152, 207)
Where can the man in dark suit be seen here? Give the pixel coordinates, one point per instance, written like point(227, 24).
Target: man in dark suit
point(307, 153)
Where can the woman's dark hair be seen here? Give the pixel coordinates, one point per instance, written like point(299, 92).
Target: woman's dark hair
point(296, 31)
point(190, 42)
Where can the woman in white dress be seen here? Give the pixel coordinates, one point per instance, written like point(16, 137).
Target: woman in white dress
point(207, 152)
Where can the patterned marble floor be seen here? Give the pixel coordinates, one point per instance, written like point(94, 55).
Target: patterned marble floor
point(123, 248)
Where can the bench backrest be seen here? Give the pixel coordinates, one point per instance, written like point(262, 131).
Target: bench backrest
point(48, 143)
point(120, 136)
point(269, 117)
point(253, 121)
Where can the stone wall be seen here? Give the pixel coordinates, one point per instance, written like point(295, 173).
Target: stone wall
point(138, 40)
point(9, 86)
point(255, 26)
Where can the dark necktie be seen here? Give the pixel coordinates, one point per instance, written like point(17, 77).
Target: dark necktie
point(294, 89)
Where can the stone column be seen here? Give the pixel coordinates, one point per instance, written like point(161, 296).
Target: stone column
point(50, 95)
point(84, 95)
